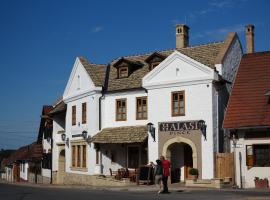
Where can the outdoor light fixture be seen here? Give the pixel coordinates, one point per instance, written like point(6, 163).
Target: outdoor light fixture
point(63, 137)
point(67, 142)
point(151, 130)
point(202, 127)
point(86, 137)
point(84, 134)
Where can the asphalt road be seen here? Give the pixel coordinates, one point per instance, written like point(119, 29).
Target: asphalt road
point(18, 192)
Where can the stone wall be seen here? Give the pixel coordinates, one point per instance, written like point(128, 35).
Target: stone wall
point(40, 179)
point(78, 179)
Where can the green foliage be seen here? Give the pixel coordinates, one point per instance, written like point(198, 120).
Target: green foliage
point(194, 171)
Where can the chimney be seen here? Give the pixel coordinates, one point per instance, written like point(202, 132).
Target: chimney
point(250, 38)
point(182, 37)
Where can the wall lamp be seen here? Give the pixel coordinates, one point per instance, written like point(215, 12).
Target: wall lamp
point(86, 137)
point(151, 130)
point(65, 139)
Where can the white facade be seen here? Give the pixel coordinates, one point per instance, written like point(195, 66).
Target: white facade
point(81, 89)
point(24, 171)
point(243, 172)
point(203, 101)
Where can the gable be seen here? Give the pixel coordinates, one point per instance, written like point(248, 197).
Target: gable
point(177, 68)
point(79, 81)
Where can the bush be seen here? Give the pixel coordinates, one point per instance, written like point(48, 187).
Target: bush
point(194, 171)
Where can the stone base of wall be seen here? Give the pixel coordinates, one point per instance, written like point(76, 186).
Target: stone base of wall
point(213, 183)
point(31, 178)
point(54, 177)
point(46, 180)
point(78, 179)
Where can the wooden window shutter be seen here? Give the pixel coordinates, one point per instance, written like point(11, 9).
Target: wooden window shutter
point(73, 115)
point(249, 156)
point(83, 113)
point(84, 156)
point(73, 156)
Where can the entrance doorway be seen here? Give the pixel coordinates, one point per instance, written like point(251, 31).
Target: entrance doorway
point(61, 167)
point(181, 158)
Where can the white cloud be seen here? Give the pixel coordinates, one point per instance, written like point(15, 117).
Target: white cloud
point(220, 33)
point(97, 29)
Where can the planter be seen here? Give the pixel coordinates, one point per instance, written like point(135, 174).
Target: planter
point(261, 183)
point(193, 177)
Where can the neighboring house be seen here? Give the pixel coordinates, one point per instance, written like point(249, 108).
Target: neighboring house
point(58, 114)
point(248, 117)
point(136, 108)
point(20, 163)
point(45, 139)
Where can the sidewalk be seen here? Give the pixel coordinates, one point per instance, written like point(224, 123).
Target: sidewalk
point(137, 188)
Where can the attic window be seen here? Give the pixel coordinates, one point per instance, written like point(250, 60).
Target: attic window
point(153, 65)
point(123, 72)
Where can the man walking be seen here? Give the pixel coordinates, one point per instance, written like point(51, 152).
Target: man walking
point(166, 173)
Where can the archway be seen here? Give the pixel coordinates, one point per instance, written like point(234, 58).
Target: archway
point(61, 167)
point(182, 153)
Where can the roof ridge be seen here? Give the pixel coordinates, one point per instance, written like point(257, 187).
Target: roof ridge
point(171, 49)
point(90, 63)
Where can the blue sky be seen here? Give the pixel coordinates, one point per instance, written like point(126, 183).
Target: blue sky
point(39, 40)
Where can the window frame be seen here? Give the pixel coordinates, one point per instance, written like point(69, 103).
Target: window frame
point(84, 113)
point(179, 107)
point(73, 115)
point(122, 113)
point(153, 65)
point(137, 106)
point(78, 156)
point(120, 75)
point(251, 156)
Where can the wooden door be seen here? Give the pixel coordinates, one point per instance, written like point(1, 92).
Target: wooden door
point(188, 161)
point(61, 167)
point(224, 165)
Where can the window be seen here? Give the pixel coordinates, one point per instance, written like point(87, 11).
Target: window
point(79, 156)
point(73, 115)
point(83, 113)
point(258, 155)
point(47, 161)
point(97, 156)
point(141, 108)
point(178, 103)
point(113, 156)
point(122, 72)
point(121, 110)
point(153, 65)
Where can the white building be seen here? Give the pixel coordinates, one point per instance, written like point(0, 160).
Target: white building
point(181, 92)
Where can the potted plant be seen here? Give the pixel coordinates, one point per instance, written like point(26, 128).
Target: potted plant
point(261, 183)
point(193, 173)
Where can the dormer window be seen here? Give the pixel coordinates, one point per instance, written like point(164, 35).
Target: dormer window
point(123, 72)
point(153, 65)
point(154, 60)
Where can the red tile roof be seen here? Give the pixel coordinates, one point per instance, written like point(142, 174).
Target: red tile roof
point(248, 104)
point(28, 152)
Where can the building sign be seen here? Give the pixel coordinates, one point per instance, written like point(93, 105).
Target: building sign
point(175, 128)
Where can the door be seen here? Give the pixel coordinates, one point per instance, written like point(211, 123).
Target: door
point(133, 156)
point(188, 161)
point(61, 167)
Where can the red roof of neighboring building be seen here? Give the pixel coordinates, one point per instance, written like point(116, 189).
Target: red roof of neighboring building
point(248, 104)
point(28, 152)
